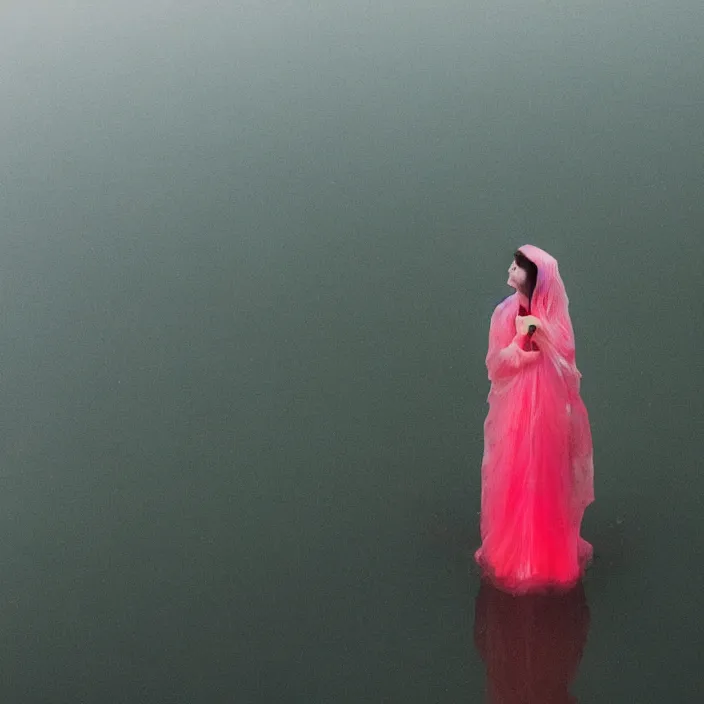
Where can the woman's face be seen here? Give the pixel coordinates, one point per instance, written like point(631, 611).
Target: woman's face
point(516, 276)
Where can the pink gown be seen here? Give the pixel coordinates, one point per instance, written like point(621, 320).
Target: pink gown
point(537, 469)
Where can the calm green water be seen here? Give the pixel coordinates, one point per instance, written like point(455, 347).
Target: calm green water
point(248, 254)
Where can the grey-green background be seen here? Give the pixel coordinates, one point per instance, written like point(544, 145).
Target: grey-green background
point(248, 255)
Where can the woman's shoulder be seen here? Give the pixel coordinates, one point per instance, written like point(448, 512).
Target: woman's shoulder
point(504, 305)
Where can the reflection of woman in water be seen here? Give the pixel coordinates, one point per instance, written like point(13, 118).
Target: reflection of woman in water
point(531, 644)
point(537, 471)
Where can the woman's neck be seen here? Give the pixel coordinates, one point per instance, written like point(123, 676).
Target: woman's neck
point(523, 300)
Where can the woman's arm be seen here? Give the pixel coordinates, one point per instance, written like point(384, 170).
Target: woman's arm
point(509, 360)
point(506, 360)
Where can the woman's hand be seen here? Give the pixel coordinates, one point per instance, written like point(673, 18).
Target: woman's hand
point(524, 322)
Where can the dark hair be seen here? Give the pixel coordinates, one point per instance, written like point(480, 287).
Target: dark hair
point(531, 272)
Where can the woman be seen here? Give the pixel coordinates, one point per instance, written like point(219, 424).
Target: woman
point(537, 470)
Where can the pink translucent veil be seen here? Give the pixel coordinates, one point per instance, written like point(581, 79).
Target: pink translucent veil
point(550, 304)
